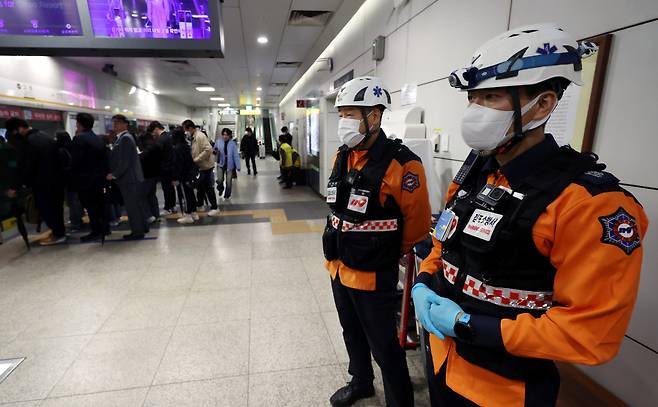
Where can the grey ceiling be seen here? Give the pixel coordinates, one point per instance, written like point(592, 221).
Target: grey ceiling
point(246, 65)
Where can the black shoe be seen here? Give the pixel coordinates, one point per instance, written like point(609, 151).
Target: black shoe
point(255, 173)
point(288, 187)
point(133, 236)
point(350, 394)
point(90, 237)
point(248, 172)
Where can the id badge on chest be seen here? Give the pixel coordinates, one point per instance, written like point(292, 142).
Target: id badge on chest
point(358, 200)
point(446, 226)
point(482, 224)
point(332, 192)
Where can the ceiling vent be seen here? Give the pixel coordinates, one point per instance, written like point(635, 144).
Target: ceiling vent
point(177, 61)
point(282, 84)
point(287, 64)
point(309, 18)
point(201, 84)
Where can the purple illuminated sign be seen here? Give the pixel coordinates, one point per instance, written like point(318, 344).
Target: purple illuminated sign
point(167, 19)
point(40, 17)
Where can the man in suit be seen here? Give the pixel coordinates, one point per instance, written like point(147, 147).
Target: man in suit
point(163, 138)
point(127, 171)
point(90, 164)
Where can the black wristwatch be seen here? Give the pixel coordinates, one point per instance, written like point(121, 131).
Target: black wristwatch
point(463, 327)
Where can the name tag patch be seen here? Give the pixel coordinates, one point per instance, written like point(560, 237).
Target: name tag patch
point(482, 224)
point(358, 202)
point(331, 194)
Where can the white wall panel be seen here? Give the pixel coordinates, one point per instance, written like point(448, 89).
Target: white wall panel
point(643, 326)
point(444, 37)
point(583, 18)
point(392, 69)
point(631, 376)
point(626, 131)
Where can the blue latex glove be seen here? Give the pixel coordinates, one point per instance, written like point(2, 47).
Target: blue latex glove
point(423, 298)
point(443, 315)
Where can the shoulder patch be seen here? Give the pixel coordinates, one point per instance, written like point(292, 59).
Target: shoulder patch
point(620, 229)
point(598, 177)
point(410, 181)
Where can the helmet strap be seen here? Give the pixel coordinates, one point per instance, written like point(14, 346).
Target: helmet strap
point(518, 123)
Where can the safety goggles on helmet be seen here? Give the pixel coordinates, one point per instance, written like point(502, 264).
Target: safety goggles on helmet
point(468, 78)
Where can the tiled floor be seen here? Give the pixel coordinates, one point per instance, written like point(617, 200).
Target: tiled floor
point(223, 315)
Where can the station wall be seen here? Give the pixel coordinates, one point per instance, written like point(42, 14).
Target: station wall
point(427, 39)
point(60, 84)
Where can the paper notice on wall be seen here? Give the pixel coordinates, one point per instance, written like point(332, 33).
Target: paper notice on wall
point(563, 120)
point(408, 94)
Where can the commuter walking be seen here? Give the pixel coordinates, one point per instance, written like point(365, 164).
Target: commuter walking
point(228, 160)
point(185, 175)
point(163, 138)
point(127, 172)
point(203, 158)
point(89, 166)
point(249, 149)
point(40, 168)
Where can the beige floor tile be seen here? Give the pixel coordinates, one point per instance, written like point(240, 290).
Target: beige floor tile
point(157, 280)
point(207, 307)
point(223, 276)
point(269, 301)
point(295, 388)
point(114, 361)
point(289, 342)
point(205, 352)
point(277, 272)
point(45, 363)
point(218, 254)
point(71, 316)
point(149, 311)
point(227, 392)
point(121, 398)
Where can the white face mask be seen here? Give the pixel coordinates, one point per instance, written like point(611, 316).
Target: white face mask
point(485, 129)
point(348, 131)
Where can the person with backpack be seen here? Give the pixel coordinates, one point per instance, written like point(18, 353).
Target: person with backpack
point(41, 168)
point(184, 175)
point(249, 149)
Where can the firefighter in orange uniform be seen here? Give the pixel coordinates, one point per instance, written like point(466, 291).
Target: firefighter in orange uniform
point(379, 209)
point(538, 251)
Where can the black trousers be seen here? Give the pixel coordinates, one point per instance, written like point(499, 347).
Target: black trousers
point(50, 203)
point(135, 202)
point(190, 199)
point(168, 191)
point(251, 158)
point(207, 188)
point(93, 201)
point(369, 325)
point(150, 186)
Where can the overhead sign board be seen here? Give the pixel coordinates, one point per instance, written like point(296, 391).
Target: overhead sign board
point(145, 28)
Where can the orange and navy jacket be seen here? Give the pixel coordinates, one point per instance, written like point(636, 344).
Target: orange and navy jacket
point(413, 202)
point(595, 288)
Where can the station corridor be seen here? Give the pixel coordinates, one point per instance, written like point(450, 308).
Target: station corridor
point(235, 313)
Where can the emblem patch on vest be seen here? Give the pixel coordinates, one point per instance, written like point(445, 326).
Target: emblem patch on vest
point(620, 229)
point(410, 181)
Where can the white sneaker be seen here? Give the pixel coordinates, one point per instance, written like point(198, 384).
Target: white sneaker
point(151, 219)
point(213, 213)
point(187, 219)
point(165, 212)
point(195, 216)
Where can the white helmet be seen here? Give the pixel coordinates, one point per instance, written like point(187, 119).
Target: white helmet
point(522, 56)
point(365, 91)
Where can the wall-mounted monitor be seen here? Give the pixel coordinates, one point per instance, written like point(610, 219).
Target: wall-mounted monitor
point(145, 28)
point(57, 18)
